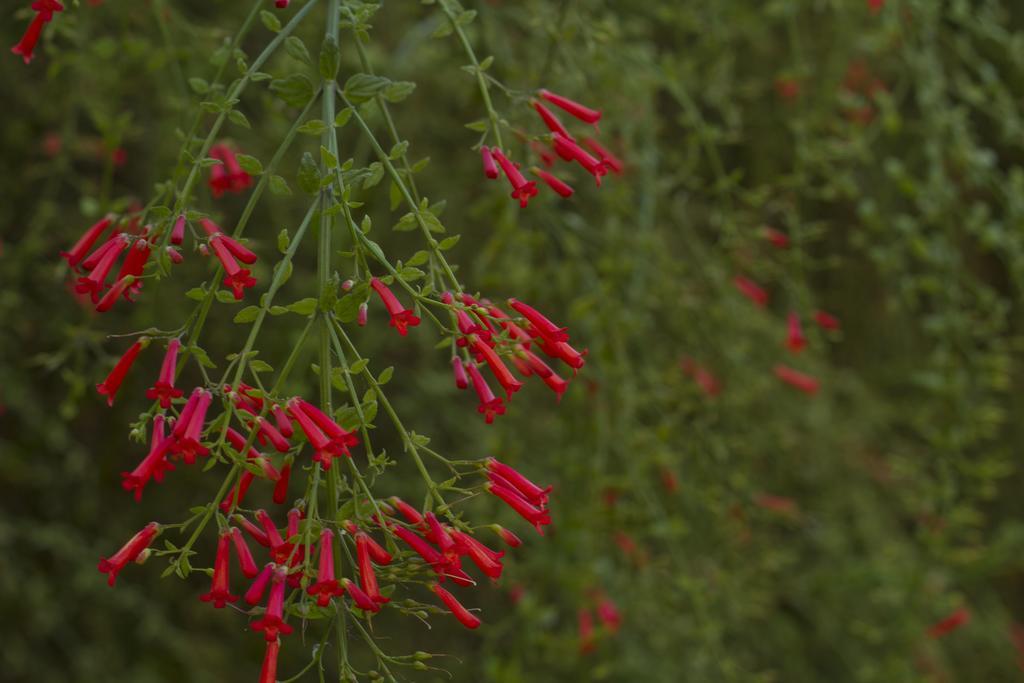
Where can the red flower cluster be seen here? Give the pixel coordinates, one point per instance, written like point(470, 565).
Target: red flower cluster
point(484, 330)
point(563, 144)
point(228, 175)
point(44, 10)
point(95, 268)
point(229, 252)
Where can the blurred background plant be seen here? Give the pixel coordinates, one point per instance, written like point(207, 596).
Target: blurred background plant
point(858, 158)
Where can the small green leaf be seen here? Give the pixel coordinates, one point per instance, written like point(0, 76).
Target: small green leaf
point(343, 117)
point(279, 185)
point(249, 164)
point(270, 20)
point(247, 314)
point(304, 306)
point(309, 174)
point(198, 85)
point(385, 375)
point(362, 87)
point(297, 49)
point(238, 118)
point(283, 240)
point(313, 127)
point(330, 59)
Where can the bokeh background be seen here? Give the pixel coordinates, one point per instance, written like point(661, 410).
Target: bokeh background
point(745, 530)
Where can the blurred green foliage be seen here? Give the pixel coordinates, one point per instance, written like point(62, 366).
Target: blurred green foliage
point(808, 538)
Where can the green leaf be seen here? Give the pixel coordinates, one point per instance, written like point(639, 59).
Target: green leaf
point(202, 357)
point(279, 185)
point(304, 306)
point(283, 240)
point(358, 366)
point(196, 293)
point(295, 89)
point(258, 365)
point(270, 20)
point(385, 375)
point(199, 85)
point(328, 159)
point(313, 127)
point(297, 49)
point(343, 117)
point(362, 87)
point(449, 242)
point(239, 118)
point(418, 259)
point(247, 314)
point(249, 164)
point(330, 59)
point(398, 91)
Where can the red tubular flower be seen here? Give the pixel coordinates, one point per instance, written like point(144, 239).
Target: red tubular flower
point(490, 168)
point(609, 159)
point(429, 554)
point(468, 619)
point(570, 151)
point(550, 120)
point(361, 599)
point(401, 317)
point(188, 432)
point(129, 552)
point(220, 593)
point(501, 372)
point(134, 264)
point(585, 114)
point(237, 249)
point(281, 4)
point(341, 438)
point(510, 539)
point(522, 189)
point(586, 630)
point(826, 321)
point(44, 14)
point(174, 255)
point(534, 515)
point(539, 323)
point(268, 672)
point(367, 578)
point(178, 231)
point(275, 437)
point(227, 176)
point(114, 293)
point(327, 585)
point(280, 550)
point(961, 617)
point(363, 315)
point(438, 534)
point(245, 559)
point(93, 283)
point(751, 290)
point(777, 238)
point(272, 623)
point(376, 550)
point(284, 425)
point(608, 613)
point(410, 513)
point(233, 497)
point(112, 383)
point(257, 534)
point(317, 439)
point(876, 6)
point(795, 339)
point(531, 492)
point(86, 241)
point(237, 441)
point(556, 184)
point(490, 405)
point(154, 465)
point(294, 517)
point(486, 560)
point(259, 586)
point(164, 390)
point(281, 486)
point(796, 379)
point(459, 370)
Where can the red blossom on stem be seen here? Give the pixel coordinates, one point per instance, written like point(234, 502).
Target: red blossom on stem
point(367, 577)
point(229, 251)
point(101, 262)
point(490, 168)
point(826, 321)
point(114, 293)
point(795, 339)
point(268, 672)
point(610, 160)
point(227, 176)
point(510, 539)
point(281, 486)
point(245, 559)
point(522, 189)
point(86, 241)
point(570, 151)
point(112, 383)
point(536, 516)
point(189, 428)
point(258, 587)
point(220, 591)
point(550, 120)
point(164, 390)
point(573, 108)
point(178, 231)
point(530, 491)
point(411, 514)
point(272, 623)
point(539, 324)
point(360, 598)
point(796, 379)
point(327, 585)
point(129, 552)
point(154, 465)
point(556, 184)
point(585, 626)
point(468, 619)
point(490, 405)
point(486, 560)
point(751, 290)
point(459, 371)
point(501, 372)
point(44, 14)
point(777, 238)
point(961, 617)
point(401, 317)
